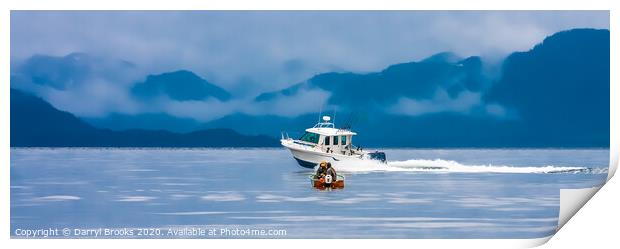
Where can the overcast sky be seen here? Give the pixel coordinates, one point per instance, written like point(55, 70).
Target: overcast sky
point(249, 52)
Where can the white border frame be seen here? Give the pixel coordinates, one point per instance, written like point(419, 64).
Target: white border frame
point(314, 5)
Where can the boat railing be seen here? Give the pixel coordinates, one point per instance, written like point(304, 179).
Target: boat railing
point(290, 135)
point(324, 125)
point(303, 143)
point(284, 135)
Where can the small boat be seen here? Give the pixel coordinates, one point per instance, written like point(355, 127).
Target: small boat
point(326, 143)
point(327, 182)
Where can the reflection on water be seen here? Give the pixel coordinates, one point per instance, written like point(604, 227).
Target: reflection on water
point(162, 188)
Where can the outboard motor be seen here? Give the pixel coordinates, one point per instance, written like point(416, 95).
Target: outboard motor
point(328, 180)
point(378, 155)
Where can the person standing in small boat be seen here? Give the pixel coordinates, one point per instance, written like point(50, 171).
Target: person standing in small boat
point(331, 171)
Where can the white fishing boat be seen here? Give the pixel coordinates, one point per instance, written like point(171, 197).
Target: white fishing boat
point(325, 142)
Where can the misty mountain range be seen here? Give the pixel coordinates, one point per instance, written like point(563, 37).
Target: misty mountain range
point(554, 95)
point(35, 122)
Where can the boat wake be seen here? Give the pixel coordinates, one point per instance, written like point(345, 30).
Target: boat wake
point(439, 165)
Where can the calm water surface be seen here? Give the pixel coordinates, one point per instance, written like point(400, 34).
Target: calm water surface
point(474, 194)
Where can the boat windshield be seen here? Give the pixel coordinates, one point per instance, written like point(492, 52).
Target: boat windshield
point(310, 137)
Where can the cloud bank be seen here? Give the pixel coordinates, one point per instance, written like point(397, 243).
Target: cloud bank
point(248, 52)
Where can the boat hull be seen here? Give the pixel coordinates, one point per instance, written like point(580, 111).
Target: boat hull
point(305, 164)
point(310, 159)
point(320, 184)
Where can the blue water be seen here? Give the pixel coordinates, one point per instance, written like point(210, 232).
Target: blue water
point(470, 193)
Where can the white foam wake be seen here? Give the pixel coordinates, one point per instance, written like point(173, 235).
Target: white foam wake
point(439, 165)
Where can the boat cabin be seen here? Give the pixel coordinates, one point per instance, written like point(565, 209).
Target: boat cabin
point(328, 138)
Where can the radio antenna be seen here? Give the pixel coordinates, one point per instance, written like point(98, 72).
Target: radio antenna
point(351, 119)
point(320, 112)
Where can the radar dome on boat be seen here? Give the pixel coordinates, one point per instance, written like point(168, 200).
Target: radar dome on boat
point(326, 118)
